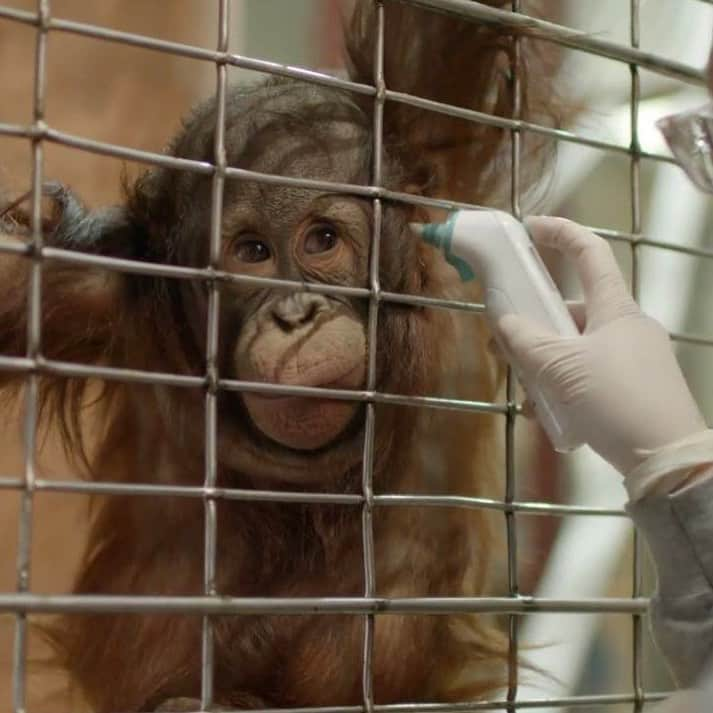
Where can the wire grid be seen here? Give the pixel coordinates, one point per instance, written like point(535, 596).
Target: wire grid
point(23, 603)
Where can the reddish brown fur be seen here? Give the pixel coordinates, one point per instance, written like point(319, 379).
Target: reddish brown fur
point(142, 545)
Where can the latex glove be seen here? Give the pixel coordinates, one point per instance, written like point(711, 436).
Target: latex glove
point(619, 382)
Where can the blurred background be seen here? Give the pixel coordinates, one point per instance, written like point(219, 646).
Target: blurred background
point(135, 97)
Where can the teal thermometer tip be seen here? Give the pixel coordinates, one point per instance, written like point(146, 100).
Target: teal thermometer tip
point(436, 234)
point(440, 236)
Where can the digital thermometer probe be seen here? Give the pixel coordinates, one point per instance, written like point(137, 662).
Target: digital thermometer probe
point(497, 248)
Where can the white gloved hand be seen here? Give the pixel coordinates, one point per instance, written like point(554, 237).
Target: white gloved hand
point(619, 382)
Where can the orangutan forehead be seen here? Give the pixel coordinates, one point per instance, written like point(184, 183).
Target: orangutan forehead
point(333, 151)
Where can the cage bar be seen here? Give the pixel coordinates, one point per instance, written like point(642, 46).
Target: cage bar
point(212, 375)
point(510, 474)
point(635, 190)
point(372, 332)
point(34, 355)
point(225, 605)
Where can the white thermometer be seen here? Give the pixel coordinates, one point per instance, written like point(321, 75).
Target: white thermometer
point(497, 247)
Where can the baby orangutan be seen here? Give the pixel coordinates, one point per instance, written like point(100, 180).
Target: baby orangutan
point(155, 433)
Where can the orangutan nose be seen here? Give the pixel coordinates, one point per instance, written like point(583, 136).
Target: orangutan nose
point(297, 310)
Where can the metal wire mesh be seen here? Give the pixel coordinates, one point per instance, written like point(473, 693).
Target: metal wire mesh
point(23, 602)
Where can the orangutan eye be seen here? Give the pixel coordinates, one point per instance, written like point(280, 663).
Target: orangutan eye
point(320, 239)
point(252, 251)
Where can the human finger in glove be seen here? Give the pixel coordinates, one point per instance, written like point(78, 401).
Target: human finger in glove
point(618, 382)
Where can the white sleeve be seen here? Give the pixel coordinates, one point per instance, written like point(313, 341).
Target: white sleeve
point(670, 468)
